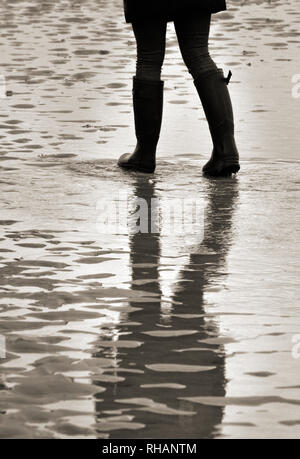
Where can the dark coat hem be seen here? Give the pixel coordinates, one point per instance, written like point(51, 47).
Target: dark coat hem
point(143, 10)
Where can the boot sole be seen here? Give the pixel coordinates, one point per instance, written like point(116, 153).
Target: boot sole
point(232, 169)
point(226, 171)
point(135, 168)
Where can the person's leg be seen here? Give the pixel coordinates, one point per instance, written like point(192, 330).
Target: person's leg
point(147, 95)
point(150, 39)
point(193, 36)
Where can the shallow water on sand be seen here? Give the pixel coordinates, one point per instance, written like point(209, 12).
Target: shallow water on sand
point(146, 336)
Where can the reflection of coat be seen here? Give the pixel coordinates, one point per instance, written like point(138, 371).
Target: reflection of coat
point(168, 9)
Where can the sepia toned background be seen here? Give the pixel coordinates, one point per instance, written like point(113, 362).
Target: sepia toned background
point(146, 336)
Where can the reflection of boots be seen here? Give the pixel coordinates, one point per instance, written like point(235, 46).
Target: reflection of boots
point(148, 105)
point(215, 98)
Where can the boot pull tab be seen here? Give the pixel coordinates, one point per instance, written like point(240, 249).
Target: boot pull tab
point(228, 78)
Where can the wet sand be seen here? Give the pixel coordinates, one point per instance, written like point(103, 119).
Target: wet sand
point(146, 336)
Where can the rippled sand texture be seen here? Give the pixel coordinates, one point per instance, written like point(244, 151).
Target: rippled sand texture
point(146, 336)
point(69, 66)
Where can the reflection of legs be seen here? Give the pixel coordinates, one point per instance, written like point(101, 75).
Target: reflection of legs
point(193, 34)
point(147, 95)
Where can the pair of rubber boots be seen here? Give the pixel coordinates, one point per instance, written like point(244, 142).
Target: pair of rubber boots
point(148, 109)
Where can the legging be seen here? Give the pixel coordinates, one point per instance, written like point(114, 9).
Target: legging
point(192, 34)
